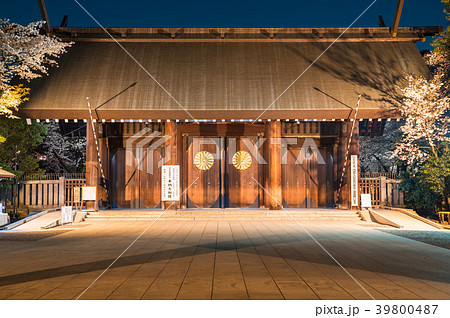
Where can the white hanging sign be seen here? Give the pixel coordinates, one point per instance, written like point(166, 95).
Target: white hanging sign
point(170, 182)
point(354, 179)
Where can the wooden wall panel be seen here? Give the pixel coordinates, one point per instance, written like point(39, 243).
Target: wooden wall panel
point(119, 178)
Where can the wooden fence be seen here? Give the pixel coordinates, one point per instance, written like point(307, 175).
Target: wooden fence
point(43, 193)
point(54, 191)
point(383, 191)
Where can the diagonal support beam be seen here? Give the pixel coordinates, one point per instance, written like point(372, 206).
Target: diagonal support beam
point(44, 16)
point(398, 13)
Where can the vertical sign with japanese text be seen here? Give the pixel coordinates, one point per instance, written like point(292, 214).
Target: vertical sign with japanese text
point(170, 182)
point(354, 179)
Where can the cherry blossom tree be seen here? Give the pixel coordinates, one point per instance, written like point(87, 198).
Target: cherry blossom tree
point(64, 153)
point(425, 107)
point(376, 152)
point(425, 141)
point(25, 54)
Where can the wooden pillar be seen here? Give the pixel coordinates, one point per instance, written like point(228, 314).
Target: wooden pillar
point(62, 191)
point(274, 184)
point(398, 13)
point(44, 14)
point(171, 154)
point(92, 170)
point(104, 156)
point(383, 192)
point(336, 175)
point(183, 168)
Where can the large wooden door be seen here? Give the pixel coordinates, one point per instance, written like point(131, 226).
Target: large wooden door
point(203, 172)
point(307, 180)
point(150, 178)
point(136, 178)
point(242, 171)
point(294, 181)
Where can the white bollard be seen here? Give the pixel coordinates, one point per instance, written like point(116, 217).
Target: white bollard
point(366, 201)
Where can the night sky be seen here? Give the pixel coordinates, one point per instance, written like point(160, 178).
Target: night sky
point(232, 13)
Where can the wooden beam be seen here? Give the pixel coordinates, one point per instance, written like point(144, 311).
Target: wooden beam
point(118, 114)
point(64, 21)
point(44, 16)
point(294, 32)
point(398, 13)
point(368, 33)
point(381, 23)
point(273, 40)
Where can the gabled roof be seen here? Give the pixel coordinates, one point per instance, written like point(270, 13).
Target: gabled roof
point(226, 79)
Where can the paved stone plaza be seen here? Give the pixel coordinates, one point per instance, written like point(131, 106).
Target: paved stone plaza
point(220, 260)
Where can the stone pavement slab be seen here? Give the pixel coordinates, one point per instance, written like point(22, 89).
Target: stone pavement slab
point(221, 259)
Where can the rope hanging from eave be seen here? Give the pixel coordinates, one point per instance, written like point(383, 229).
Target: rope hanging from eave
point(96, 145)
point(348, 150)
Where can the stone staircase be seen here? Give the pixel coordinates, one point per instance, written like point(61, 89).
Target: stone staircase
point(225, 214)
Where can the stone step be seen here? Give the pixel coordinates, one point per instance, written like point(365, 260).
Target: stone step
point(99, 219)
point(228, 217)
point(221, 215)
point(322, 215)
point(338, 213)
point(205, 216)
point(225, 217)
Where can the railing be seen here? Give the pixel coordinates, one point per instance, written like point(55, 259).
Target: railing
point(46, 192)
point(383, 191)
point(51, 176)
point(389, 175)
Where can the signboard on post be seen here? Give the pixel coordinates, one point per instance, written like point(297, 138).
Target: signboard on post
point(76, 195)
point(170, 182)
point(77, 198)
point(354, 179)
point(89, 194)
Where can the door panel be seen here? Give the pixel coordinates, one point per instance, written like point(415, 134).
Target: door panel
point(150, 179)
point(307, 183)
point(242, 189)
point(205, 189)
point(136, 178)
point(294, 180)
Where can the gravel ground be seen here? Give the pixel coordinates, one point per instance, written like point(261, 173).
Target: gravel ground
point(438, 238)
point(28, 236)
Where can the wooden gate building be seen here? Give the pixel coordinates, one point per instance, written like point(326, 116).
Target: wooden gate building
point(253, 117)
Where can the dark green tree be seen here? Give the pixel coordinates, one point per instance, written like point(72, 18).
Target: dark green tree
point(20, 141)
point(442, 43)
